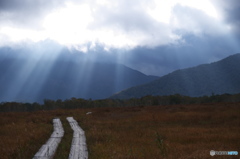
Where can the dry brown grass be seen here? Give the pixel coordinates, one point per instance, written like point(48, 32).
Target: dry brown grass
point(179, 131)
point(22, 134)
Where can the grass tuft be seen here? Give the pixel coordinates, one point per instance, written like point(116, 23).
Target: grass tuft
point(161, 144)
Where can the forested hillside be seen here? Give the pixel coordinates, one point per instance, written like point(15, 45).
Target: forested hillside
point(215, 78)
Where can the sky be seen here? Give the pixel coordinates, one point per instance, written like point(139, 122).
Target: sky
point(152, 36)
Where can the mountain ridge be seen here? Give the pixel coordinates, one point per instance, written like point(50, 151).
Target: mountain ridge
point(33, 80)
point(218, 77)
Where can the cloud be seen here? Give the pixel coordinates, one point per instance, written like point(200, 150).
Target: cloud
point(116, 24)
point(25, 13)
point(230, 11)
point(193, 21)
point(130, 22)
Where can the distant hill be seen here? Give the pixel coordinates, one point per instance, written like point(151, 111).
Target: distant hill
point(33, 80)
point(215, 78)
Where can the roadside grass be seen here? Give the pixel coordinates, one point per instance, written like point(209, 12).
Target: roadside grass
point(176, 131)
point(65, 144)
point(22, 134)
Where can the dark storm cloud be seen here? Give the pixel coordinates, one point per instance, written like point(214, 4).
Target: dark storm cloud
point(230, 10)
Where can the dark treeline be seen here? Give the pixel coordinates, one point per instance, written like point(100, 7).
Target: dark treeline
point(74, 103)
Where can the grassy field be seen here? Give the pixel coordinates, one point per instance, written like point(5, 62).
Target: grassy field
point(176, 131)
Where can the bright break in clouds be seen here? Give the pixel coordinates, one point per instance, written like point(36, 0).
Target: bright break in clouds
point(113, 24)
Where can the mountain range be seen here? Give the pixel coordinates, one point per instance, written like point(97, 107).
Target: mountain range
point(28, 77)
point(215, 78)
point(32, 79)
